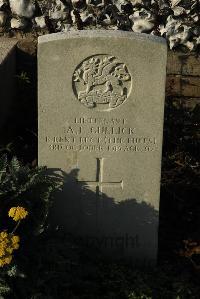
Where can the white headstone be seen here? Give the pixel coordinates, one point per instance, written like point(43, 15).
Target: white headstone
point(101, 106)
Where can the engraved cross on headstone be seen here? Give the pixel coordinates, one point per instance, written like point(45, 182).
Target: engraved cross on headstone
point(99, 184)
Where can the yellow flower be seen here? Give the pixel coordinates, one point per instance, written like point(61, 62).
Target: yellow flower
point(15, 242)
point(15, 239)
point(2, 263)
point(8, 243)
point(5, 261)
point(16, 246)
point(2, 250)
point(17, 213)
point(9, 250)
point(3, 235)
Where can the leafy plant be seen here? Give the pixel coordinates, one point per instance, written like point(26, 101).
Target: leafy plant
point(25, 192)
point(25, 186)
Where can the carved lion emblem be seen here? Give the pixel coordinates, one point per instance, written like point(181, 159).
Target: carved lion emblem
point(102, 82)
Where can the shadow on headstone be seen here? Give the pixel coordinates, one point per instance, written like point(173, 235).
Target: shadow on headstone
point(124, 229)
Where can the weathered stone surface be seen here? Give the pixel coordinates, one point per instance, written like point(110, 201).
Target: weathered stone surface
point(177, 21)
point(191, 66)
point(7, 77)
point(183, 64)
point(173, 86)
point(190, 86)
point(174, 63)
point(183, 86)
point(101, 102)
point(183, 78)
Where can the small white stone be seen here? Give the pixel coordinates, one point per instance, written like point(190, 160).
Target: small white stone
point(195, 17)
point(59, 25)
point(189, 45)
point(197, 39)
point(174, 2)
point(75, 2)
point(40, 21)
point(142, 25)
point(107, 20)
point(178, 34)
point(58, 11)
point(178, 10)
point(73, 17)
point(143, 21)
point(22, 8)
point(162, 29)
point(3, 17)
point(17, 23)
point(85, 16)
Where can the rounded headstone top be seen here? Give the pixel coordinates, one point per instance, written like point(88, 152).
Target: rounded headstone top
point(100, 34)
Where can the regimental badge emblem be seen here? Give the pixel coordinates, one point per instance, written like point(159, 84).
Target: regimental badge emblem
point(102, 82)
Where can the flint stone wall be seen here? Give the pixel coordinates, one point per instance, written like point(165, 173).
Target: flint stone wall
point(176, 20)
